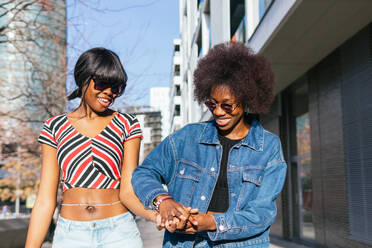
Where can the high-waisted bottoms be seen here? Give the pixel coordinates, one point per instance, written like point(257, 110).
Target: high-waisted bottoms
point(114, 232)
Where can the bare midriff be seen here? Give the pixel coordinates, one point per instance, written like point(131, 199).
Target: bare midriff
point(95, 204)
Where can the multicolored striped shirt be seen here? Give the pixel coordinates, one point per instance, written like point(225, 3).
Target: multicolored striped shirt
point(90, 162)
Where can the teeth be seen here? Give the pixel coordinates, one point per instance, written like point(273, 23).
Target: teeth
point(223, 122)
point(103, 100)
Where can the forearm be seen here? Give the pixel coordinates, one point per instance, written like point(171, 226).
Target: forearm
point(157, 169)
point(40, 220)
point(147, 185)
point(131, 201)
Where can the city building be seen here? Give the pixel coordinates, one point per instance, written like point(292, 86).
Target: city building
point(159, 101)
point(146, 131)
point(321, 53)
point(176, 115)
point(151, 125)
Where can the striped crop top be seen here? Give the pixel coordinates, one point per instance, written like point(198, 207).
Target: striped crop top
point(90, 162)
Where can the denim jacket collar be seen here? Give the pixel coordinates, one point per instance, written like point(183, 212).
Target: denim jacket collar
point(254, 139)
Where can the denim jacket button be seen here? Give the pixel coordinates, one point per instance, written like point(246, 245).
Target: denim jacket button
point(182, 171)
point(221, 227)
point(202, 197)
point(212, 169)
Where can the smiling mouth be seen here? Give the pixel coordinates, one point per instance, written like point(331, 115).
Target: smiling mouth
point(104, 102)
point(222, 122)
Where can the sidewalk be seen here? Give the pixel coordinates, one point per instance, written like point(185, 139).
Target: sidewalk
point(152, 238)
point(280, 243)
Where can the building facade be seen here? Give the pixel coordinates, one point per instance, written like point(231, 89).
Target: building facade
point(176, 115)
point(321, 53)
point(159, 101)
point(151, 125)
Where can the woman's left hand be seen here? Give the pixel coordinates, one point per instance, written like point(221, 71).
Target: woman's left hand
point(158, 222)
point(204, 222)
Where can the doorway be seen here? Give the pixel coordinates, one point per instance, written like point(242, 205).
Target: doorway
point(300, 162)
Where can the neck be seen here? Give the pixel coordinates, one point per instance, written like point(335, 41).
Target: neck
point(89, 113)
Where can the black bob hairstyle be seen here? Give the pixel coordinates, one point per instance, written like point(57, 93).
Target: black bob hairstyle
point(248, 76)
point(97, 62)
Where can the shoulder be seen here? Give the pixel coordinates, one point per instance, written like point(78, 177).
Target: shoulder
point(270, 137)
point(197, 126)
point(191, 130)
point(127, 121)
point(272, 144)
point(130, 118)
point(270, 141)
point(54, 120)
point(126, 116)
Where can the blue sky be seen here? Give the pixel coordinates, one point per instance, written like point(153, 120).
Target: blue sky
point(141, 32)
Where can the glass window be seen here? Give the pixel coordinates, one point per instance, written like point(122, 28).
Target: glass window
point(177, 69)
point(178, 90)
point(301, 164)
point(200, 3)
point(237, 13)
point(177, 110)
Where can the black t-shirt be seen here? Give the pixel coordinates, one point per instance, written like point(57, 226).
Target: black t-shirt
point(220, 197)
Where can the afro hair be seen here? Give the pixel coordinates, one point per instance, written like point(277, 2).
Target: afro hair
point(248, 75)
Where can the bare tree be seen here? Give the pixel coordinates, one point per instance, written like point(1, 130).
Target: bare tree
point(20, 156)
point(33, 82)
point(33, 37)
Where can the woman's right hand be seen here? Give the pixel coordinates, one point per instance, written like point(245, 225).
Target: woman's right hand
point(173, 214)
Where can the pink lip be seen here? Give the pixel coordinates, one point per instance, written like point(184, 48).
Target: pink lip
point(222, 122)
point(104, 103)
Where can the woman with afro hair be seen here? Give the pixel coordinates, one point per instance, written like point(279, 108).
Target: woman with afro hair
point(222, 175)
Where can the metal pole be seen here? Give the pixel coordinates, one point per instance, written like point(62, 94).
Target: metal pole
point(17, 203)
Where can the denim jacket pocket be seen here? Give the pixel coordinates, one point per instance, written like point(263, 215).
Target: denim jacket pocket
point(252, 177)
point(186, 179)
point(188, 170)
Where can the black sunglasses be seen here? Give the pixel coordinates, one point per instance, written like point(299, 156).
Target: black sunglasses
point(227, 107)
point(116, 88)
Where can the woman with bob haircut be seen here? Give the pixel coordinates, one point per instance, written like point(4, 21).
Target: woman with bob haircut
point(93, 151)
point(229, 170)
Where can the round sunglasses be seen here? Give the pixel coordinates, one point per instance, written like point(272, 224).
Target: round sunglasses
point(227, 107)
point(116, 88)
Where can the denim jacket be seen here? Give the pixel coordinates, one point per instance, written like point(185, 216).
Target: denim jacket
point(188, 162)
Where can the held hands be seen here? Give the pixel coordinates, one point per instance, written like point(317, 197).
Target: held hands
point(205, 222)
point(176, 217)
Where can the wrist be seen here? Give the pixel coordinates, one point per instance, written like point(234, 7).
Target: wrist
point(212, 223)
point(152, 216)
point(157, 198)
point(160, 199)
